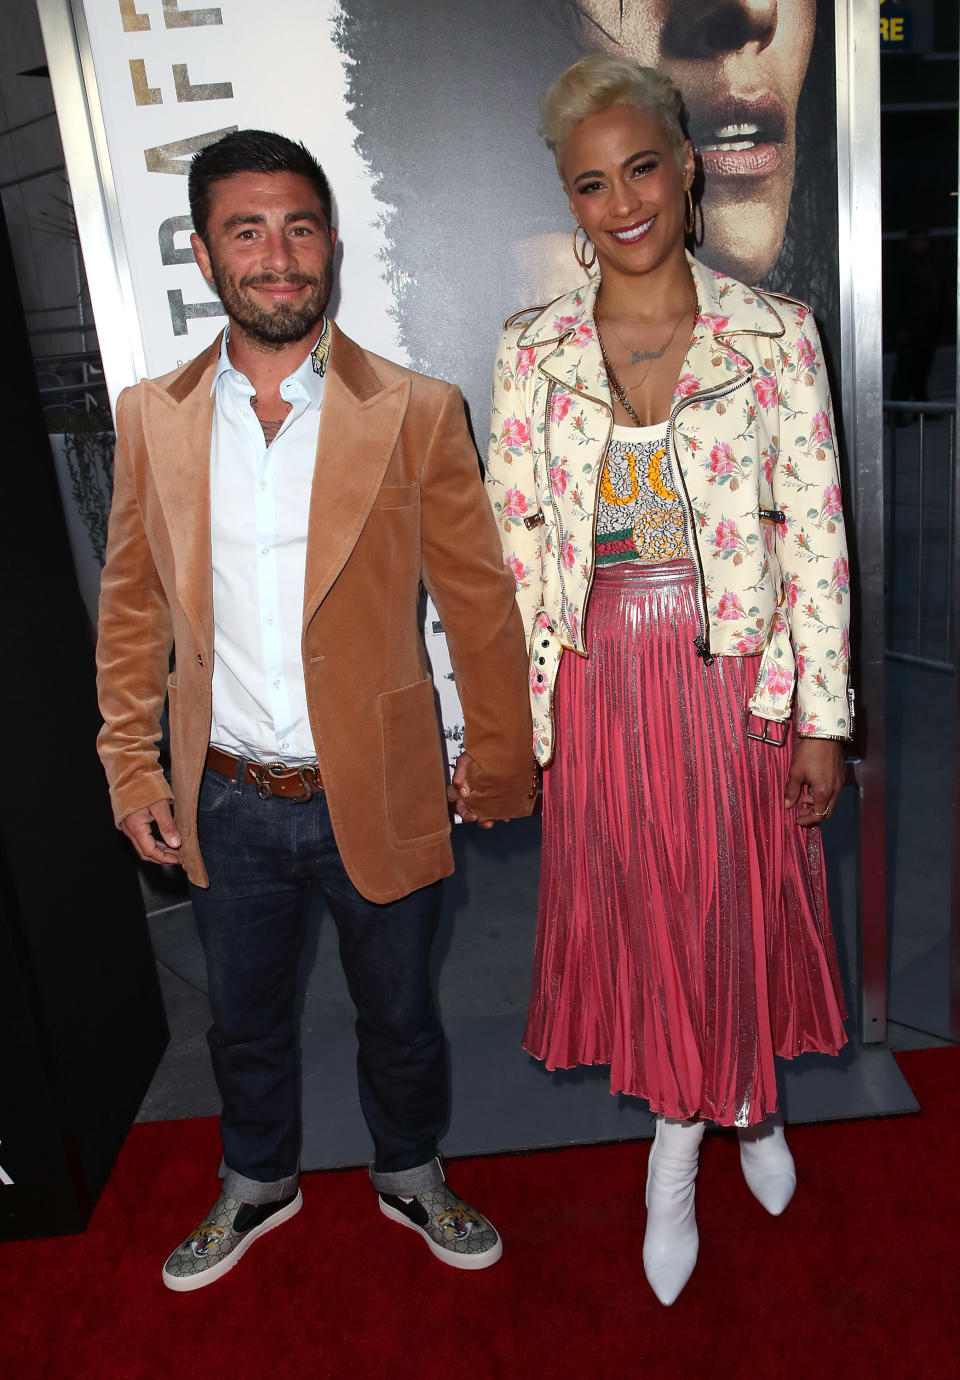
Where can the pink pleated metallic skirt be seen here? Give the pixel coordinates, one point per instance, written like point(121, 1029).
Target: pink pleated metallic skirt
point(683, 936)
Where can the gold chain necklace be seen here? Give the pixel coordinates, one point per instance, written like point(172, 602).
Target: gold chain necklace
point(619, 391)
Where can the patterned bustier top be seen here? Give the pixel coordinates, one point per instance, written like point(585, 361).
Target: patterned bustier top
point(639, 510)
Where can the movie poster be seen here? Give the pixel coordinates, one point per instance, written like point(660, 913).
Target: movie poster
point(449, 206)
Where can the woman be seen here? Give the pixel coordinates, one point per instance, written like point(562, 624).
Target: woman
point(741, 66)
point(663, 472)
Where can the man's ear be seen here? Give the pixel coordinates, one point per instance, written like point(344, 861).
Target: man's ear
point(202, 256)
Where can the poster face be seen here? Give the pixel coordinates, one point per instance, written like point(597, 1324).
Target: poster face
point(449, 207)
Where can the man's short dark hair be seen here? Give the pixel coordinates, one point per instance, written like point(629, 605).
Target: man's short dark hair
point(250, 150)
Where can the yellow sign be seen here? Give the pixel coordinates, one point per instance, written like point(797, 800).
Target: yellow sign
point(896, 30)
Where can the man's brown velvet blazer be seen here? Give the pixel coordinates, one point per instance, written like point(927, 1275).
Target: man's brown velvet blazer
point(397, 499)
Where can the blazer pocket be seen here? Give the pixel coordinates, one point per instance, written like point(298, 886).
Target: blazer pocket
point(396, 496)
point(414, 781)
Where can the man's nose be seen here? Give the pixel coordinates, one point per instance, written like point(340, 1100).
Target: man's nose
point(278, 252)
point(703, 29)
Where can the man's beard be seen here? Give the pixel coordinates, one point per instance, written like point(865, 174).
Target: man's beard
point(282, 324)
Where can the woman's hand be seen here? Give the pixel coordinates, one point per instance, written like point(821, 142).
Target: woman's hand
point(459, 790)
point(815, 779)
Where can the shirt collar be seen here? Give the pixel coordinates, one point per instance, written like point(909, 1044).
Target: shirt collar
point(306, 376)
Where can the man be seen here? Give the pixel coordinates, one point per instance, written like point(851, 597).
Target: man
point(277, 503)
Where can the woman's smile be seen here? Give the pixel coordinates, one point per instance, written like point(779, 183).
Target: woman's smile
point(631, 234)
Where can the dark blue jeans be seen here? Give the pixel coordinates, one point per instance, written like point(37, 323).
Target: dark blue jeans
point(263, 857)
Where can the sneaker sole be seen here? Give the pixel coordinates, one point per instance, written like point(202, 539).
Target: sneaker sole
point(188, 1283)
point(480, 1261)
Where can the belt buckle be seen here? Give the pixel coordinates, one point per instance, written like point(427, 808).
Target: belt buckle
point(263, 771)
point(766, 735)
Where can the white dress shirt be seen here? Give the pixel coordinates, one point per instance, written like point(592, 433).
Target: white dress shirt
point(259, 506)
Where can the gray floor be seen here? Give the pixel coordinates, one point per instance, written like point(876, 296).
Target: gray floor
point(505, 1100)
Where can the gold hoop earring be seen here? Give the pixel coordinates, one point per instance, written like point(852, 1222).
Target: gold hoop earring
point(689, 221)
point(582, 259)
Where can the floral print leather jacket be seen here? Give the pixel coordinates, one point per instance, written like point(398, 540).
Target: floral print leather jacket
point(751, 427)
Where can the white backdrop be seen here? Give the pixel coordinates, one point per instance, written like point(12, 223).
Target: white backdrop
point(160, 80)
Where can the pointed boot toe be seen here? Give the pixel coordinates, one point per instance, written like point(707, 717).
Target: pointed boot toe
point(768, 1166)
point(668, 1262)
point(671, 1241)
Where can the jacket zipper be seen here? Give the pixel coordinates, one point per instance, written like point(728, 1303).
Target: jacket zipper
point(702, 642)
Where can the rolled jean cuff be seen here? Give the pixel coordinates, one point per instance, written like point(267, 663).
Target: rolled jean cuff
point(406, 1182)
point(253, 1191)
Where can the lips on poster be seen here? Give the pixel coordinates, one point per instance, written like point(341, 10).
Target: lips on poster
point(444, 97)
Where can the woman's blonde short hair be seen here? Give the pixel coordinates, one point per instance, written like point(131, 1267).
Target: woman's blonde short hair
point(599, 83)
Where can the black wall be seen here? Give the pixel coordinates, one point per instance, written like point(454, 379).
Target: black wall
point(81, 1019)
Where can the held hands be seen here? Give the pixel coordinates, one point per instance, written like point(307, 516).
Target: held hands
point(458, 793)
point(139, 829)
point(814, 780)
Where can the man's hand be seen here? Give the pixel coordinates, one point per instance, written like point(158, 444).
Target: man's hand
point(815, 779)
point(458, 793)
point(138, 827)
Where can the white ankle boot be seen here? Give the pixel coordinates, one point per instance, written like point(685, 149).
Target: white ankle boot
point(671, 1242)
point(767, 1164)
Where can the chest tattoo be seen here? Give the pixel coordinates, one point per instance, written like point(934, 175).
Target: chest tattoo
point(269, 428)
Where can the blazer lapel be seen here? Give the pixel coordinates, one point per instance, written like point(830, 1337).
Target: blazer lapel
point(178, 418)
point(360, 421)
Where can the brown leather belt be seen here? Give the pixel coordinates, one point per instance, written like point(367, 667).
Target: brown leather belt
point(298, 784)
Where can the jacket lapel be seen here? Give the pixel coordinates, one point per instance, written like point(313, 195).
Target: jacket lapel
point(178, 418)
point(575, 363)
point(360, 421)
point(726, 309)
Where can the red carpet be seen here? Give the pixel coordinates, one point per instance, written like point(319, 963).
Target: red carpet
point(859, 1278)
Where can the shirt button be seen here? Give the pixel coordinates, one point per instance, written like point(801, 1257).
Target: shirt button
point(263, 483)
point(265, 551)
point(270, 619)
point(276, 685)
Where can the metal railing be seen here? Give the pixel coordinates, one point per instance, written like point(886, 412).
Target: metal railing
point(919, 473)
